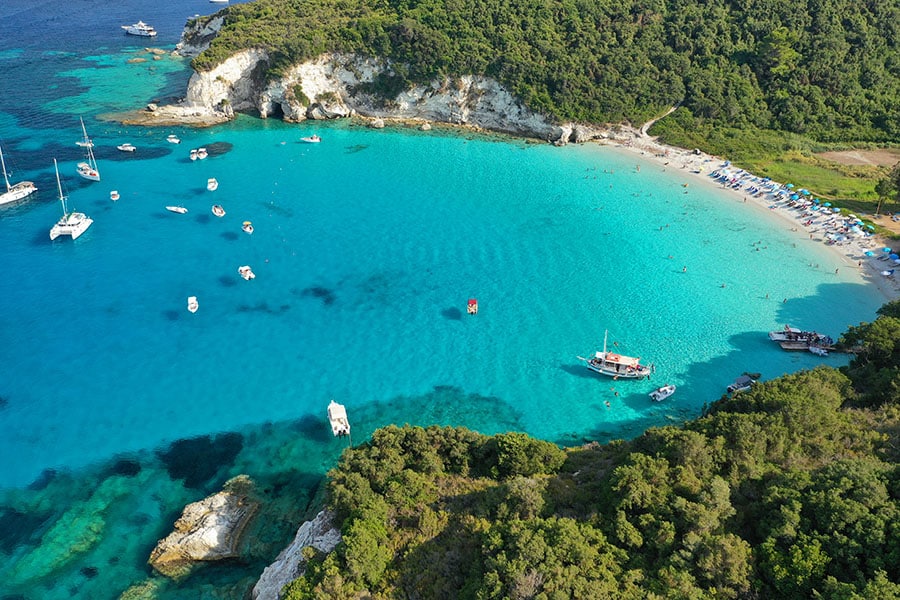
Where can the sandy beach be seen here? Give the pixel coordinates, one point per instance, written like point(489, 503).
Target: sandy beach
point(696, 165)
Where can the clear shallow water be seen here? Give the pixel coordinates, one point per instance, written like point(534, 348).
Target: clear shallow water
point(366, 248)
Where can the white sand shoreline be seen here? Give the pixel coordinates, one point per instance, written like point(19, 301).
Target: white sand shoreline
point(696, 165)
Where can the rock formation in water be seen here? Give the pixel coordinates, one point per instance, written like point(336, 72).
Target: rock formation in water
point(207, 530)
point(319, 533)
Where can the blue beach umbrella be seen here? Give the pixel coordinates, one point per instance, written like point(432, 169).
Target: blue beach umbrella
point(871, 227)
point(836, 209)
point(894, 256)
point(869, 253)
point(804, 192)
point(794, 197)
point(816, 200)
point(886, 249)
point(827, 204)
point(790, 186)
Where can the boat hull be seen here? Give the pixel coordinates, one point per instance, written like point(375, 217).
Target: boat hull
point(610, 371)
point(23, 189)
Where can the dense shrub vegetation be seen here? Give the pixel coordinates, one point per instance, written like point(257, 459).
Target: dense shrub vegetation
point(828, 69)
point(790, 490)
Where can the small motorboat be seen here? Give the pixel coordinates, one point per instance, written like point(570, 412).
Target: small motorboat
point(193, 154)
point(193, 305)
point(247, 227)
point(312, 139)
point(472, 306)
point(202, 153)
point(126, 147)
point(818, 350)
point(246, 272)
point(114, 195)
point(211, 184)
point(173, 139)
point(177, 209)
point(337, 417)
point(218, 210)
point(661, 393)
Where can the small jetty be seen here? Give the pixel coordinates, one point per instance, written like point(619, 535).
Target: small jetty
point(337, 416)
point(472, 306)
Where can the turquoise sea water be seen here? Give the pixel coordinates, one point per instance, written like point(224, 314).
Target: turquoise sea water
point(119, 406)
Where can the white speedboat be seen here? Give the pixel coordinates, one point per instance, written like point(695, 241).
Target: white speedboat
point(247, 227)
point(72, 223)
point(192, 304)
point(246, 272)
point(312, 139)
point(617, 366)
point(88, 167)
point(114, 195)
point(661, 393)
point(218, 210)
point(211, 184)
point(140, 29)
point(193, 154)
point(202, 153)
point(173, 139)
point(337, 417)
point(16, 191)
point(126, 147)
point(177, 209)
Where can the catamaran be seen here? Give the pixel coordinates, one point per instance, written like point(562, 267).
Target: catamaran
point(16, 191)
point(617, 366)
point(88, 169)
point(71, 223)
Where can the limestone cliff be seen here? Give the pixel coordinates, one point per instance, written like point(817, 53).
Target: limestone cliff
point(336, 85)
point(319, 533)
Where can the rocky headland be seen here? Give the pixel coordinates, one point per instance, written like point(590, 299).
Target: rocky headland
point(338, 86)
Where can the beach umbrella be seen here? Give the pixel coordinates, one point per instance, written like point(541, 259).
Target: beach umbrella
point(869, 253)
point(836, 209)
point(851, 216)
point(804, 192)
point(871, 227)
point(886, 249)
point(827, 204)
point(790, 186)
point(894, 256)
point(816, 200)
point(794, 196)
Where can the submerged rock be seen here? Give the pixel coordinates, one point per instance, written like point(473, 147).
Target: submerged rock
point(320, 533)
point(208, 530)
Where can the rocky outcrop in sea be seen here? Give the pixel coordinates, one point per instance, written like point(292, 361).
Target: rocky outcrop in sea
point(208, 530)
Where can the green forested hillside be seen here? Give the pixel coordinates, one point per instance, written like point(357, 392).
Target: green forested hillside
point(828, 69)
point(791, 490)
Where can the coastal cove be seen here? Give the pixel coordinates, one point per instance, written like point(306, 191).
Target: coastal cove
point(120, 406)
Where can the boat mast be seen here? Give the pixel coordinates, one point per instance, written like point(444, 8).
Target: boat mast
point(5, 178)
point(62, 198)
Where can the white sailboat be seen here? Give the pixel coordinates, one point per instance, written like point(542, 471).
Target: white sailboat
point(88, 169)
point(617, 366)
point(71, 223)
point(16, 191)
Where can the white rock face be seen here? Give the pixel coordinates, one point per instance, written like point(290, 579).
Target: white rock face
point(198, 34)
point(290, 564)
point(330, 87)
point(207, 530)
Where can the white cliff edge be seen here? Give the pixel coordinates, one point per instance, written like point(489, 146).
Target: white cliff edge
point(319, 533)
point(334, 86)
